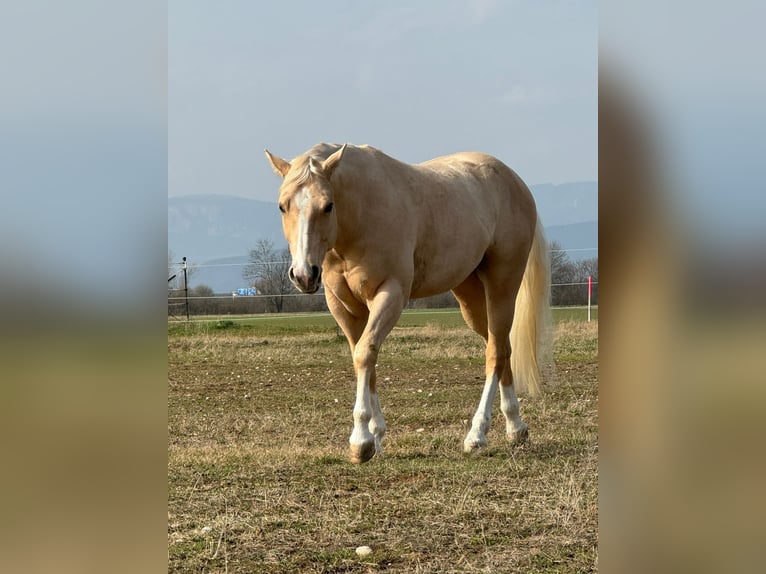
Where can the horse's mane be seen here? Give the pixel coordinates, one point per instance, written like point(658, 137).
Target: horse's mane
point(301, 171)
point(300, 175)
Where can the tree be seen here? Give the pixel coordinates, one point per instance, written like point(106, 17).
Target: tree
point(176, 286)
point(562, 270)
point(267, 272)
point(201, 290)
point(569, 278)
point(586, 268)
point(172, 272)
point(175, 267)
point(201, 300)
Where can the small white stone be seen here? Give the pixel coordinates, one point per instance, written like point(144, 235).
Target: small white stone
point(420, 430)
point(363, 550)
point(205, 529)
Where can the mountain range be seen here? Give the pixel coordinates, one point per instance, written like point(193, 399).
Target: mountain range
point(216, 232)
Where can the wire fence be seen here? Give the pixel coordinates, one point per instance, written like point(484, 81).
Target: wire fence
point(186, 301)
point(317, 294)
point(193, 265)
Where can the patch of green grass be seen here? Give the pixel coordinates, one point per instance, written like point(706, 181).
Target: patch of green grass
point(573, 314)
point(285, 324)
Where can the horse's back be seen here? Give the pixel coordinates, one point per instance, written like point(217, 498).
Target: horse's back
point(439, 218)
point(493, 187)
point(475, 208)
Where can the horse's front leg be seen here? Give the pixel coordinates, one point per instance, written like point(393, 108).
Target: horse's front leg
point(369, 426)
point(377, 422)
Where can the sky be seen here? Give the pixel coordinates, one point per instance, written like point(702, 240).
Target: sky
point(417, 80)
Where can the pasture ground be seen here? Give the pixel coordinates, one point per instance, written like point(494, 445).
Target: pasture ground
point(259, 415)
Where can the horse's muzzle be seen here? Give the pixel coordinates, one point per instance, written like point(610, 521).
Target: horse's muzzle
point(307, 280)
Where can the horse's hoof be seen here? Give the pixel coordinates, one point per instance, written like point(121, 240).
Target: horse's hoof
point(519, 436)
point(473, 445)
point(362, 452)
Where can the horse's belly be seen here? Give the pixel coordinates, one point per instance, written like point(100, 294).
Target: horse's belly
point(437, 273)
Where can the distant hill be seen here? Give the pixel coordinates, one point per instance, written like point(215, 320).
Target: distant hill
point(216, 232)
point(580, 238)
point(221, 275)
point(204, 227)
point(566, 203)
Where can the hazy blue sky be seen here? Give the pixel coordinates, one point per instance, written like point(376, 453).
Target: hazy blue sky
point(415, 79)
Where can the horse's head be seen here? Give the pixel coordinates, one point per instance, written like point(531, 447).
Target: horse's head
point(309, 218)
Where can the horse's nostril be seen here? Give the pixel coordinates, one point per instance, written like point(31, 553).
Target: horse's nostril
point(291, 274)
point(314, 272)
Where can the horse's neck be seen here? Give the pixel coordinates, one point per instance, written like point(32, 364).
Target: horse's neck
point(367, 192)
point(350, 209)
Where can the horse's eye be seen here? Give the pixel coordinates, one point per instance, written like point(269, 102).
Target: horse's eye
point(328, 208)
point(281, 208)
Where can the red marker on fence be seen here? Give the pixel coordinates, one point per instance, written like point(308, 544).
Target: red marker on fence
point(590, 291)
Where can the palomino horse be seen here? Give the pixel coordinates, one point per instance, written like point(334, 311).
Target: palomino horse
point(380, 232)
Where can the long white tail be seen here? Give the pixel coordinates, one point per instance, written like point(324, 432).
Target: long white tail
point(530, 332)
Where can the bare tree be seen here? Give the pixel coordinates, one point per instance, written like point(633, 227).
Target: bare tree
point(267, 272)
point(176, 286)
point(569, 278)
point(175, 267)
point(172, 271)
point(562, 270)
point(588, 267)
point(563, 274)
point(201, 300)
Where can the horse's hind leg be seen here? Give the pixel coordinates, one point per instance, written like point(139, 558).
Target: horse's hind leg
point(501, 316)
point(516, 430)
point(473, 306)
point(500, 294)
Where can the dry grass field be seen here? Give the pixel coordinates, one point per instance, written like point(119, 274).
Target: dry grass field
point(259, 481)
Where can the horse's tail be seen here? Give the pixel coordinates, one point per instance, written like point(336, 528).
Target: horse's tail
point(530, 332)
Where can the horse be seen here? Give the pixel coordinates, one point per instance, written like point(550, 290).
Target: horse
point(378, 232)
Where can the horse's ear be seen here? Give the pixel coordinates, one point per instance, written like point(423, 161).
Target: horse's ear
point(329, 165)
point(280, 166)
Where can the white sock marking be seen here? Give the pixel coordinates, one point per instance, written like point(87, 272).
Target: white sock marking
point(477, 436)
point(510, 407)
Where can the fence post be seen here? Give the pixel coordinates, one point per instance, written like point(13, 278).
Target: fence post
point(590, 290)
point(186, 290)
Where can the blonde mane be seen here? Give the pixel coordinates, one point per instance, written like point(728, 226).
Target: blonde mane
point(299, 175)
point(302, 165)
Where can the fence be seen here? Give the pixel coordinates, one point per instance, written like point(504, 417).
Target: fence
point(184, 301)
